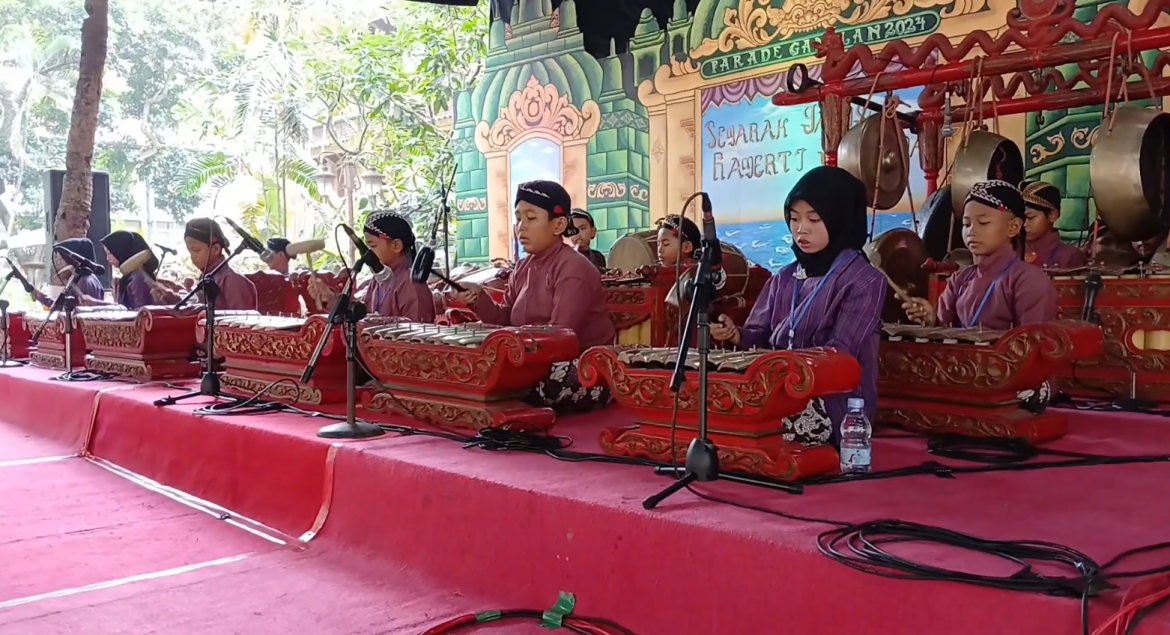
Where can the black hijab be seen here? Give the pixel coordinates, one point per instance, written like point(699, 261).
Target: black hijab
point(81, 246)
point(124, 245)
point(839, 199)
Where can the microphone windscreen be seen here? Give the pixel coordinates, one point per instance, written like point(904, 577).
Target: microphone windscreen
point(424, 261)
point(135, 262)
point(304, 247)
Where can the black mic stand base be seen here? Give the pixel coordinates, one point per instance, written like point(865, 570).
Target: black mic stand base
point(686, 478)
point(355, 430)
point(208, 387)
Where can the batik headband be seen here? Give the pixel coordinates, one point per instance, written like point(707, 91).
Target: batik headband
point(1040, 195)
point(549, 196)
point(998, 194)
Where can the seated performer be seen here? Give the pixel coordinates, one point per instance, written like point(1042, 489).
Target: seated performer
point(586, 232)
point(831, 295)
point(997, 293)
point(553, 285)
point(137, 288)
point(1044, 247)
point(678, 237)
point(207, 243)
point(89, 287)
point(280, 259)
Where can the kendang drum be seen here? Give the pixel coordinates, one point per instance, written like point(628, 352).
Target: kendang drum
point(640, 249)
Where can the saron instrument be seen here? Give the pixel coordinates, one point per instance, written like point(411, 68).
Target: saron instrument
point(260, 349)
point(749, 394)
point(153, 342)
point(50, 348)
point(968, 381)
point(465, 377)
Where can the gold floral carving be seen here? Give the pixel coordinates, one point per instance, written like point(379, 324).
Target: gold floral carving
point(538, 108)
point(282, 391)
point(1039, 152)
point(127, 369)
point(756, 23)
point(472, 204)
point(606, 190)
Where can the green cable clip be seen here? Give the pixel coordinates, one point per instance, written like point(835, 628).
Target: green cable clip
point(554, 617)
point(487, 616)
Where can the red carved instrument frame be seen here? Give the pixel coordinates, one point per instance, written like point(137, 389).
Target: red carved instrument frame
point(745, 409)
point(467, 388)
point(50, 348)
point(150, 343)
point(255, 357)
point(971, 389)
point(18, 344)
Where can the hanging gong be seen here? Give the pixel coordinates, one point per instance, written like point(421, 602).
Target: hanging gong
point(986, 156)
point(1128, 171)
point(900, 254)
point(859, 154)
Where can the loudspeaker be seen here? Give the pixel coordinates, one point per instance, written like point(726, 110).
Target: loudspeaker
point(99, 216)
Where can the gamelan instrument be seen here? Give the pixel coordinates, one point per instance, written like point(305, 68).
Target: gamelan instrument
point(18, 344)
point(900, 254)
point(1129, 171)
point(313, 303)
point(984, 155)
point(275, 295)
point(462, 377)
point(969, 381)
point(153, 342)
point(49, 351)
point(749, 395)
point(493, 280)
point(637, 289)
point(260, 349)
point(877, 152)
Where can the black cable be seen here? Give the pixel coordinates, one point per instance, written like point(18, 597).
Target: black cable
point(84, 375)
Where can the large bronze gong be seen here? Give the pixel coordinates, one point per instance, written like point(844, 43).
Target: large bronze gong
point(986, 156)
point(900, 253)
point(1128, 171)
point(859, 154)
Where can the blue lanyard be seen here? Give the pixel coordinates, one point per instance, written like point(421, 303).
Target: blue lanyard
point(794, 317)
point(991, 287)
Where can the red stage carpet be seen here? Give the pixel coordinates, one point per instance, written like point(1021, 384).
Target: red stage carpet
point(416, 526)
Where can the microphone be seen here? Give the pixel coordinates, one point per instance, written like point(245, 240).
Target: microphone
point(379, 270)
point(423, 268)
point(711, 246)
point(15, 273)
point(1093, 284)
point(250, 241)
point(166, 250)
point(78, 262)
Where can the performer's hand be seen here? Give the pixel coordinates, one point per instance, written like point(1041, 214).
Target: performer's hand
point(724, 330)
point(162, 295)
point(320, 291)
point(469, 295)
point(920, 310)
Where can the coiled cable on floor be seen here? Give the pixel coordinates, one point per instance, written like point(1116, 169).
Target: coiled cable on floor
point(574, 623)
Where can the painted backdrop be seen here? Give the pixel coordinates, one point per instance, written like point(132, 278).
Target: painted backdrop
point(632, 136)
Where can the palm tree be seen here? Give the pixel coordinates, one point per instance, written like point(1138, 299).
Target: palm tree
point(77, 189)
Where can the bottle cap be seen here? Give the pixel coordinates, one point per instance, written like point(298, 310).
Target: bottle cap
point(856, 403)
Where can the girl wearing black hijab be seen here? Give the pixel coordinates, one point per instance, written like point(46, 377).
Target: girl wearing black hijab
point(831, 296)
point(133, 289)
point(88, 287)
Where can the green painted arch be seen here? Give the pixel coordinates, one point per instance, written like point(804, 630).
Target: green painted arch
point(576, 75)
point(707, 21)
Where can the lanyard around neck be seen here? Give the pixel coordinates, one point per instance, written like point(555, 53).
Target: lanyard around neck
point(987, 295)
point(796, 317)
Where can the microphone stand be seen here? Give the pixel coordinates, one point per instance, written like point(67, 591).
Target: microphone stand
point(702, 462)
point(67, 302)
point(5, 362)
point(349, 312)
point(209, 381)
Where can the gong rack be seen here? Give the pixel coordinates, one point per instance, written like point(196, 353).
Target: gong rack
point(1015, 59)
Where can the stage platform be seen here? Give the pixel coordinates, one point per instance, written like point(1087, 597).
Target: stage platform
point(415, 521)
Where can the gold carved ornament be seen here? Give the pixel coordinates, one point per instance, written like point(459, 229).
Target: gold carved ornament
point(972, 367)
point(452, 365)
point(538, 108)
point(295, 346)
point(756, 23)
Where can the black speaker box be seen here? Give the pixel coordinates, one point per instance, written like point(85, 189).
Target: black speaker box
point(99, 217)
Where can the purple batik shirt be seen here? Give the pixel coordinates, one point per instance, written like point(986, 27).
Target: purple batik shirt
point(1023, 294)
point(91, 285)
point(236, 293)
point(556, 286)
point(846, 314)
point(136, 291)
point(1050, 251)
point(397, 296)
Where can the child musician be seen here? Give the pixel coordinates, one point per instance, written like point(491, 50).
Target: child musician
point(831, 295)
point(280, 258)
point(391, 238)
point(1044, 247)
point(553, 285)
point(207, 243)
point(997, 293)
point(88, 287)
point(678, 237)
point(136, 288)
point(586, 232)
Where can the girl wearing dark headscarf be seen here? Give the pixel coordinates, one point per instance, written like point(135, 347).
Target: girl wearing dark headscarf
point(678, 238)
point(1041, 211)
point(553, 285)
point(1000, 292)
point(133, 289)
point(392, 240)
point(831, 295)
point(88, 286)
point(207, 243)
point(280, 258)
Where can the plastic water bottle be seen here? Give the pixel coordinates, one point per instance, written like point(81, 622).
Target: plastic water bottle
point(856, 434)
